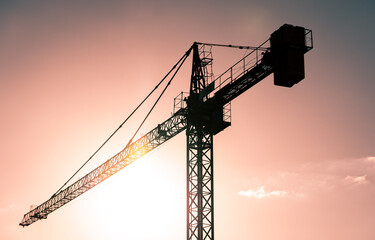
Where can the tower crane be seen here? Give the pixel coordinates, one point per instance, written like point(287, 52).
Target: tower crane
point(203, 113)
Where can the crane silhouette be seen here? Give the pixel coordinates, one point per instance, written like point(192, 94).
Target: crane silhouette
point(203, 113)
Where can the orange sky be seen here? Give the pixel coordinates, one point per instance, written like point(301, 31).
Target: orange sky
point(296, 163)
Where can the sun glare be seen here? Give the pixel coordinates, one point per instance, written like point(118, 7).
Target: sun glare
point(145, 193)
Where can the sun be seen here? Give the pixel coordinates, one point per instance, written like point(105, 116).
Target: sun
point(142, 201)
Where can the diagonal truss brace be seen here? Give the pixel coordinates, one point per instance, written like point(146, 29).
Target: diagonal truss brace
point(153, 139)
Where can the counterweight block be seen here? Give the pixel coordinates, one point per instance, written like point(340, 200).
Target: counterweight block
point(288, 45)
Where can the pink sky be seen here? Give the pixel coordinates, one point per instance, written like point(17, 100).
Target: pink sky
point(296, 163)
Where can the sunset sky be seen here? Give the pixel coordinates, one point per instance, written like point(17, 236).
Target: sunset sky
point(296, 163)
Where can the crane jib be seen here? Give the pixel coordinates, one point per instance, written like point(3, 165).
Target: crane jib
point(153, 139)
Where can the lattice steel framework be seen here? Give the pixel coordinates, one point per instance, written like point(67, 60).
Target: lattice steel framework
point(200, 217)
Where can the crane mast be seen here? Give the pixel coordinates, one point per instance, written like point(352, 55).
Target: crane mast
point(203, 117)
point(200, 217)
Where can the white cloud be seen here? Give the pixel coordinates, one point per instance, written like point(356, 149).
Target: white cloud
point(262, 193)
point(7, 209)
point(357, 180)
point(314, 178)
point(371, 159)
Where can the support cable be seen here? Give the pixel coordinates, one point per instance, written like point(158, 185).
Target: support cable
point(161, 94)
point(233, 46)
point(183, 58)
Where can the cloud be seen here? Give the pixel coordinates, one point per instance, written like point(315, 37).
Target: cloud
point(357, 180)
point(314, 179)
point(7, 209)
point(371, 159)
point(262, 193)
